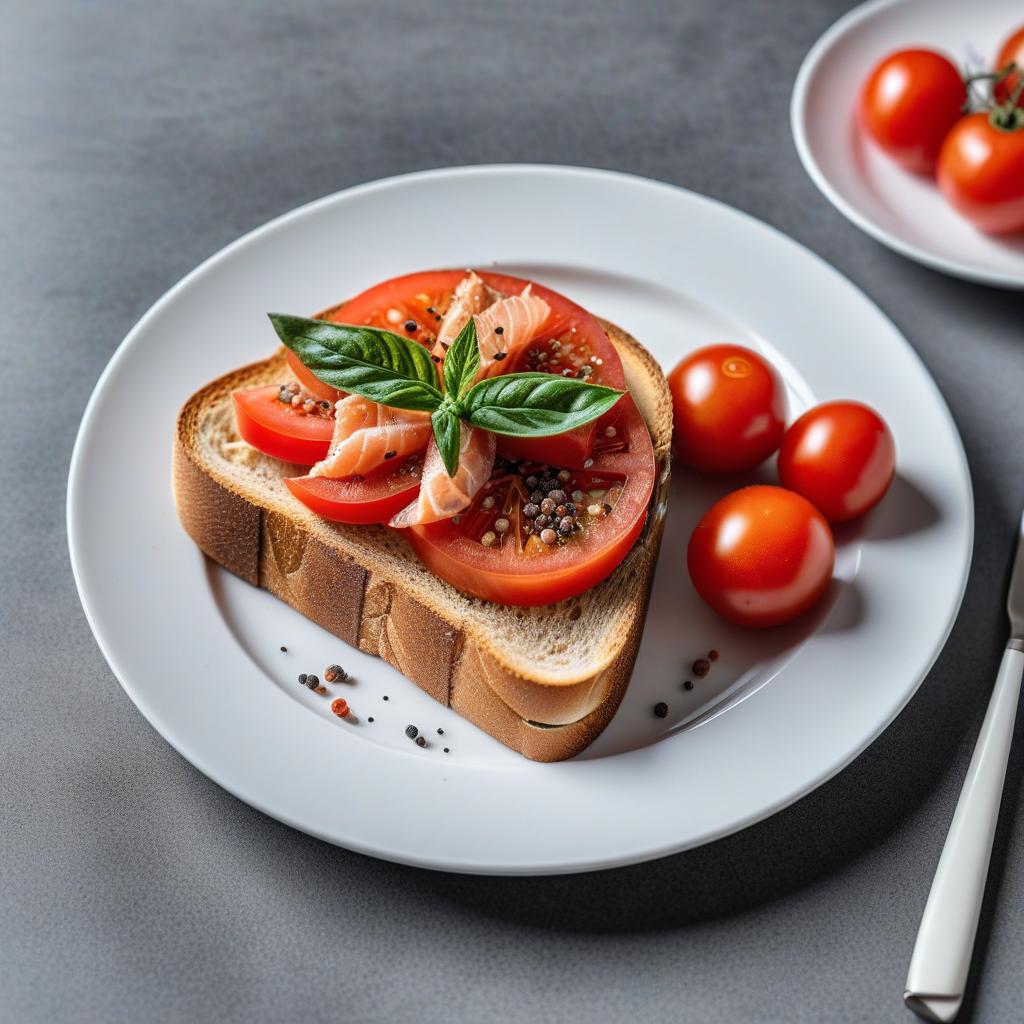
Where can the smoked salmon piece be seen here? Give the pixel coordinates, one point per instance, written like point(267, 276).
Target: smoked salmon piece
point(470, 297)
point(366, 435)
point(503, 323)
point(503, 328)
point(442, 496)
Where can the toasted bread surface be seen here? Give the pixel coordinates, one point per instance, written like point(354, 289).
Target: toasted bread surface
point(544, 681)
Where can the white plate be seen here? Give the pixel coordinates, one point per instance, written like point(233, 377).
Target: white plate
point(198, 650)
point(903, 211)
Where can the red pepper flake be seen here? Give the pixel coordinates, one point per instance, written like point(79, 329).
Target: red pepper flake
point(340, 707)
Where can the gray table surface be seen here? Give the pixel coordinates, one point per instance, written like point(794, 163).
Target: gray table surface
point(140, 138)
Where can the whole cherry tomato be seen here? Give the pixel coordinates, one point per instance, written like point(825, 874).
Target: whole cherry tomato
point(909, 102)
point(981, 169)
point(761, 556)
point(841, 457)
point(728, 409)
point(1012, 52)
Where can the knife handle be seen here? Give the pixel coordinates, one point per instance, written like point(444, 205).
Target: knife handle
point(945, 942)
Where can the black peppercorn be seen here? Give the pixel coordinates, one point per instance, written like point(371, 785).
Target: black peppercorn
point(661, 709)
point(411, 731)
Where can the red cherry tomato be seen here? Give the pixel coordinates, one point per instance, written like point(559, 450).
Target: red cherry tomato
point(981, 170)
point(841, 457)
point(761, 556)
point(278, 430)
point(728, 409)
point(1012, 52)
point(908, 103)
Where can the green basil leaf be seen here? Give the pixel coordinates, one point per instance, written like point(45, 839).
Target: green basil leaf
point(448, 435)
point(376, 364)
point(462, 361)
point(535, 404)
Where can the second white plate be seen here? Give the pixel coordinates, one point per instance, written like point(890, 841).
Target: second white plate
point(903, 211)
point(199, 651)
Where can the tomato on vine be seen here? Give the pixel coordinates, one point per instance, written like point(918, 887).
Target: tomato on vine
point(908, 104)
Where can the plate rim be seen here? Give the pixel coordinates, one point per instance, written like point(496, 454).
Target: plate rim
point(815, 56)
point(602, 861)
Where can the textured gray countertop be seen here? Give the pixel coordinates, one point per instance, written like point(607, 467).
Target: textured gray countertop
point(140, 138)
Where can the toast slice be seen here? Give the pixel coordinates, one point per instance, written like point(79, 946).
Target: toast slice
point(544, 681)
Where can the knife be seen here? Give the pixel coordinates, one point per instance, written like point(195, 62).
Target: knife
point(945, 942)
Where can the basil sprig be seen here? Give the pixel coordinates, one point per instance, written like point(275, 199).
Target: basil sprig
point(395, 371)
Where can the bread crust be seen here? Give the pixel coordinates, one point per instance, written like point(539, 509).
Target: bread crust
point(253, 529)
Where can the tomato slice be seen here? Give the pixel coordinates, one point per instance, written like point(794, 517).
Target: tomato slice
point(373, 499)
point(572, 340)
point(513, 565)
point(309, 381)
point(276, 429)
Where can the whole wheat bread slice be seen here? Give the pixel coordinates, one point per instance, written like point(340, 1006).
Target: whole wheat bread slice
point(544, 681)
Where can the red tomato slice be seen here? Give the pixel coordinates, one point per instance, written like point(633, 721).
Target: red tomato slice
point(514, 566)
point(278, 430)
point(373, 499)
point(310, 382)
point(572, 339)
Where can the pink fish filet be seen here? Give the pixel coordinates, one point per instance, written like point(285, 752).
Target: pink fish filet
point(366, 435)
point(505, 327)
point(442, 496)
point(470, 297)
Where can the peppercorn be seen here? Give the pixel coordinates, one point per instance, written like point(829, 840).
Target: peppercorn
point(335, 674)
point(541, 521)
point(370, 719)
point(385, 698)
point(411, 731)
point(312, 681)
point(701, 667)
point(446, 750)
point(660, 709)
point(537, 496)
point(499, 329)
point(283, 648)
point(420, 741)
point(440, 732)
point(302, 679)
point(557, 496)
point(340, 707)
point(548, 536)
point(410, 325)
point(531, 510)
point(566, 526)
point(713, 655)
point(688, 685)
point(531, 482)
